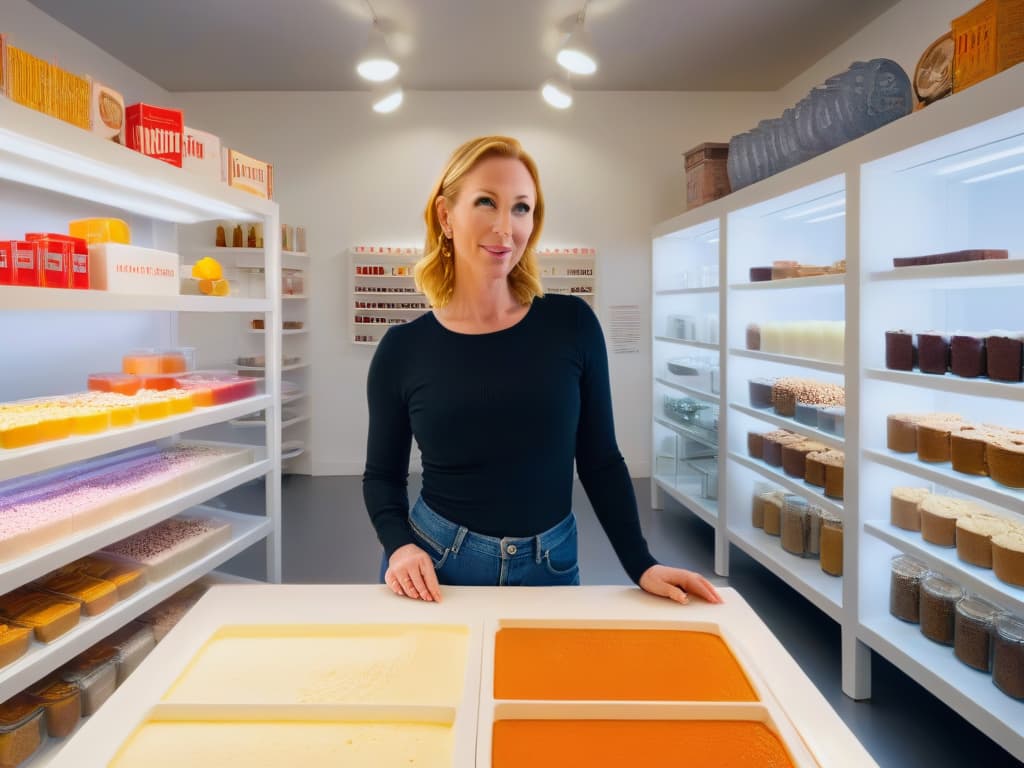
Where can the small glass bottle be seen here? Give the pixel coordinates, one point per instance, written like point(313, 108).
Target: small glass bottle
point(939, 597)
point(972, 634)
point(1008, 655)
point(905, 588)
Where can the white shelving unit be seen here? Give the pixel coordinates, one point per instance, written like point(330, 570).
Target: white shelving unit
point(50, 173)
point(942, 179)
point(245, 267)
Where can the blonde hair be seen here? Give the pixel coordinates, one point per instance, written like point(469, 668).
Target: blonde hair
point(434, 273)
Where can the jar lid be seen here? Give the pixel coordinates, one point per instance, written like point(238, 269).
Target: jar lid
point(978, 608)
point(1010, 627)
point(908, 566)
point(831, 519)
point(792, 501)
point(942, 587)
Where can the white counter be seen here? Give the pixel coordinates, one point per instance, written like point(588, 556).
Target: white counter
point(772, 669)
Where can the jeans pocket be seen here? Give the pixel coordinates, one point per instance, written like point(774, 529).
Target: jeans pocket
point(438, 554)
point(563, 558)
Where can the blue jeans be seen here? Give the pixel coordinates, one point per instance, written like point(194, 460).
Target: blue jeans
point(467, 559)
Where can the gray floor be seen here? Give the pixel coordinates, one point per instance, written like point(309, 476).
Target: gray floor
point(327, 538)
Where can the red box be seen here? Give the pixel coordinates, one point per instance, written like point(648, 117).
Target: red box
point(75, 261)
point(155, 132)
point(25, 264)
point(6, 265)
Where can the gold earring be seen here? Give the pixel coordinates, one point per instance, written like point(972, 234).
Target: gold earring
point(444, 245)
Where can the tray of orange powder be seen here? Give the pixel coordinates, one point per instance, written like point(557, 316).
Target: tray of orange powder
point(609, 693)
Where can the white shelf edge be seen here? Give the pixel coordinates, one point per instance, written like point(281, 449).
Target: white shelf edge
point(14, 573)
point(689, 390)
point(291, 367)
point(285, 399)
point(809, 492)
point(792, 425)
point(295, 254)
point(980, 580)
point(979, 487)
point(802, 574)
point(66, 299)
point(818, 281)
point(705, 509)
point(36, 458)
point(799, 362)
point(263, 423)
point(964, 270)
point(949, 383)
point(284, 331)
point(968, 692)
point(292, 454)
point(680, 429)
point(41, 659)
point(36, 149)
point(687, 291)
point(226, 250)
point(686, 343)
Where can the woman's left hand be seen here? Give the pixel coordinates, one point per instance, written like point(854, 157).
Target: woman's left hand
point(676, 584)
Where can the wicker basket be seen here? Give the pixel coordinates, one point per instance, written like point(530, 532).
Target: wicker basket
point(988, 39)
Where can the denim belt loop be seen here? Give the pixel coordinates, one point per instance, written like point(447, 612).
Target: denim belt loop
point(459, 536)
point(537, 549)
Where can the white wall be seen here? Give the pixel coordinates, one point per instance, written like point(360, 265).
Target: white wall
point(41, 35)
point(902, 34)
point(611, 168)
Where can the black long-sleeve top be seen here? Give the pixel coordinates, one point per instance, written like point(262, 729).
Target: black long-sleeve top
point(499, 418)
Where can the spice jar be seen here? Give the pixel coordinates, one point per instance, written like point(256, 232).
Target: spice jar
point(812, 531)
point(905, 588)
point(831, 544)
point(1008, 655)
point(972, 635)
point(794, 513)
point(939, 597)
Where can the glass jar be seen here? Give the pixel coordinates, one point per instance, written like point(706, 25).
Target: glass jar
point(939, 597)
point(1008, 655)
point(831, 544)
point(905, 588)
point(794, 516)
point(812, 531)
point(972, 634)
point(773, 514)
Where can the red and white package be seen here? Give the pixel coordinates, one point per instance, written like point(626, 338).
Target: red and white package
point(155, 132)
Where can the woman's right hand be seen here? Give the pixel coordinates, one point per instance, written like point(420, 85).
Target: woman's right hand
point(411, 573)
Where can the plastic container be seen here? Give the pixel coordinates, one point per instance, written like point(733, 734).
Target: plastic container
point(831, 544)
point(972, 634)
point(63, 704)
point(95, 595)
point(153, 362)
point(773, 514)
point(48, 615)
point(14, 641)
point(101, 230)
point(1008, 655)
point(128, 578)
point(218, 387)
point(132, 643)
point(812, 531)
point(121, 383)
point(939, 597)
point(95, 673)
point(21, 730)
point(905, 588)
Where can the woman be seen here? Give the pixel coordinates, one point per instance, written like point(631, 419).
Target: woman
point(503, 389)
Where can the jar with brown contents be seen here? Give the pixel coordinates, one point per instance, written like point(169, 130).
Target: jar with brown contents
point(773, 514)
point(831, 544)
point(1008, 655)
point(905, 588)
point(21, 729)
point(794, 511)
point(972, 634)
point(939, 597)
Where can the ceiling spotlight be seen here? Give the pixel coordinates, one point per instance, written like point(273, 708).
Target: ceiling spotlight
point(557, 92)
point(377, 64)
point(387, 97)
point(577, 55)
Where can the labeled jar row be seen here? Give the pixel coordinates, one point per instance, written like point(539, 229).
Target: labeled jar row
point(804, 529)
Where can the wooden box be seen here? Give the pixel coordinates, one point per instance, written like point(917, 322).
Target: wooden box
point(988, 39)
point(707, 177)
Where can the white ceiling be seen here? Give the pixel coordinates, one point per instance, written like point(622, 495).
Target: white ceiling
point(492, 45)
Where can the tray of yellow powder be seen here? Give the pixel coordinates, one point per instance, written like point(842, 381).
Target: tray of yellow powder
point(639, 734)
point(173, 742)
point(48, 615)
